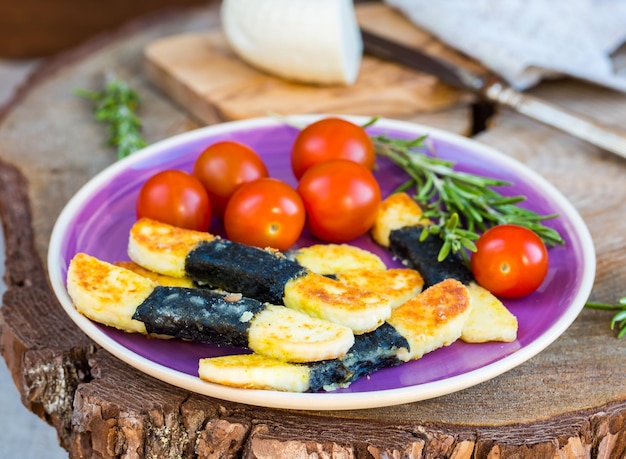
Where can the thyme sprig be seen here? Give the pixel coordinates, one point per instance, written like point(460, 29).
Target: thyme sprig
point(619, 319)
point(460, 205)
point(116, 105)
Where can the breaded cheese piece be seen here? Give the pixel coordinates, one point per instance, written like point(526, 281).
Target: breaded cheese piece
point(162, 248)
point(254, 371)
point(319, 296)
point(156, 277)
point(289, 335)
point(336, 258)
point(397, 284)
point(489, 319)
point(396, 211)
point(106, 293)
point(432, 319)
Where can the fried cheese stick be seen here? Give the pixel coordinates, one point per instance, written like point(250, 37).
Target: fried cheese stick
point(291, 350)
point(430, 320)
point(263, 274)
point(117, 297)
point(398, 227)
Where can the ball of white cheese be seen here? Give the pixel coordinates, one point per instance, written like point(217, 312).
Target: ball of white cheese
point(311, 41)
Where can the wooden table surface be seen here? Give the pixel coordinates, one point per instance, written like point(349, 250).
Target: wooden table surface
point(567, 402)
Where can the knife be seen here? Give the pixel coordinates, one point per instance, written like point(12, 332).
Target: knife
point(493, 88)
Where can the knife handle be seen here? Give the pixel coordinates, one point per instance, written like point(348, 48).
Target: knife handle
point(577, 125)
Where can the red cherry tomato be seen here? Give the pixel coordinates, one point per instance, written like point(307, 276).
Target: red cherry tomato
point(225, 165)
point(331, 138)
point(176, 198)
point(341, 198)
point(510, 261)
point(265, 213)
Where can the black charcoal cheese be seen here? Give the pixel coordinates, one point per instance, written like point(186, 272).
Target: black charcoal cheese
point(373, 351)
point(405, 244)
point(327, 375)
point(198, 315)
point(234, 267)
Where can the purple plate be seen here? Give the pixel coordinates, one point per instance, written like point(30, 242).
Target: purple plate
point(97, 220)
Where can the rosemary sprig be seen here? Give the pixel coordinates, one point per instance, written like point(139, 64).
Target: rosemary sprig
point(619, 319)
point(460, 205)
point(116, 105)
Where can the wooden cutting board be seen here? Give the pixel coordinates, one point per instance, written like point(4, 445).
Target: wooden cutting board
point(202, 73)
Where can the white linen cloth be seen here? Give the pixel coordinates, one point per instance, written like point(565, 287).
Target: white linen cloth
point(525, 41)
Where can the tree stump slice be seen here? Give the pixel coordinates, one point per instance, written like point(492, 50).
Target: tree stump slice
point(566, 402)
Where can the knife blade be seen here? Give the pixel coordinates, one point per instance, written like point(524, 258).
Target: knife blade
point(491, 87)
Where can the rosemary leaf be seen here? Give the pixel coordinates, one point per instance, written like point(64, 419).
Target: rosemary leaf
point(461, 205)
point(116, 105)
point(619, 319)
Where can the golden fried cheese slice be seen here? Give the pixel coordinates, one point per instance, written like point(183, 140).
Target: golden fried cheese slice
point(336, 258)
point(289, 335)
point(396, 211)
point(318, 296)
point(489, 319)
point(162, 248)
point(156, 277)
point(432, 319)
point(254, 371)
point(106, 293)
point(397, 284)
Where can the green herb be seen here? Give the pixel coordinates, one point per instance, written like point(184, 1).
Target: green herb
point(618, 319)
point(116, 105)
point(461, 205)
